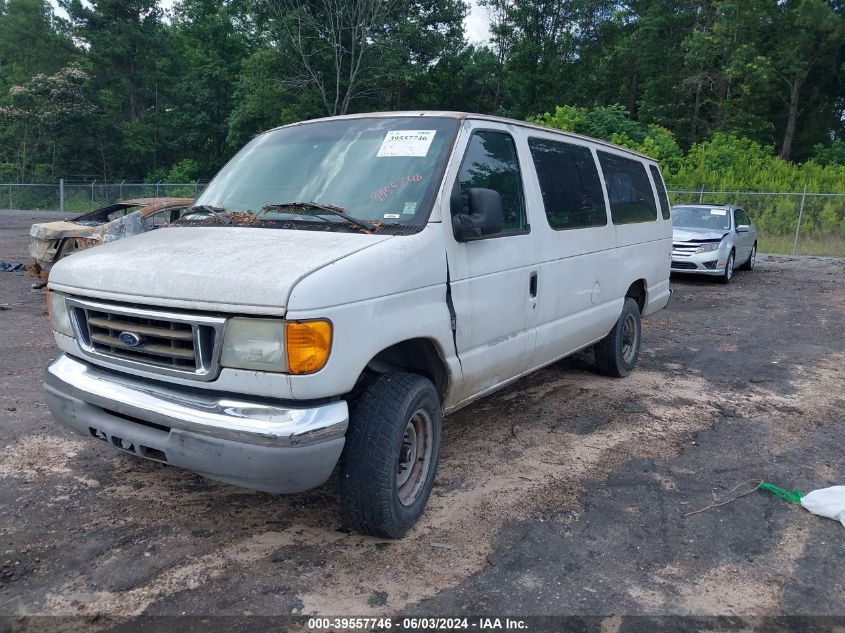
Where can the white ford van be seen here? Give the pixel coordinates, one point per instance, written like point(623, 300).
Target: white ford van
point(342, 284)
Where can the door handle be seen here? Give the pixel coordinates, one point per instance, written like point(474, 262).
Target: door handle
point(532, 285)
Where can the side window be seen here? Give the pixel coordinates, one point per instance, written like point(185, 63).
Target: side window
point(569, 182)
point(159, 218)
point(661, 191)
point(742, 217)
point(491, 163)
point(629, 190)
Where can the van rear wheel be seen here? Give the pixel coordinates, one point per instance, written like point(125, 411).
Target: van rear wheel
point(616, 354)
point(391, 454)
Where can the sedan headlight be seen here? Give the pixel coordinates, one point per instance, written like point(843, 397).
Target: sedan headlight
point(254, 344)
point(709, 247)
point(59, 315)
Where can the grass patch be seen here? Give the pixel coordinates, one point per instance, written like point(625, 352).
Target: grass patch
point(816, 245)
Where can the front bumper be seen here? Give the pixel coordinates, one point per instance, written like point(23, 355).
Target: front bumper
point(268, 447)
point(711, 263)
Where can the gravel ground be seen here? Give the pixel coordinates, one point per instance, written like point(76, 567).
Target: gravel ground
point(565, 494)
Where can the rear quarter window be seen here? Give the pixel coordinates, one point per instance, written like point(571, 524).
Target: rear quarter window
point(661, 192)
point(628, 189)
point(569, 182)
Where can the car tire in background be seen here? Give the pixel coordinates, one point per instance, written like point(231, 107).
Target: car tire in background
point(729, 269)
point(616, 354)
point(752, 259)
point(390, 458)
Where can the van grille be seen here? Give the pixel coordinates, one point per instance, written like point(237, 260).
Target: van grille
point(172, 343)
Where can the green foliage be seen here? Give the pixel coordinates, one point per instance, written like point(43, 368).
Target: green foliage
point(613, 124)
point(693, 84)
point(833, 154)
point(723, 162)
point(726, 162)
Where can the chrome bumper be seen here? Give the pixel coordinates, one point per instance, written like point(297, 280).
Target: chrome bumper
point(251, 444)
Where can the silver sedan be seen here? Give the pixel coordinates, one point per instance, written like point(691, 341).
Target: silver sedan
point(712, 240)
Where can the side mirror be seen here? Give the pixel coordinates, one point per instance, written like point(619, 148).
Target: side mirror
point(743, 228)
point(485, 217)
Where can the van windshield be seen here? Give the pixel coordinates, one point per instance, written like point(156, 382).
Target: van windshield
point(715, 219)
point(376, 170)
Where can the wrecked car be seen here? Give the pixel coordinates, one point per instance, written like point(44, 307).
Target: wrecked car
point(344, 283)
point(713, 240)
point(52, 241)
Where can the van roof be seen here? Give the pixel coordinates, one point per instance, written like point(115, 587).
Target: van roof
point(469, 115)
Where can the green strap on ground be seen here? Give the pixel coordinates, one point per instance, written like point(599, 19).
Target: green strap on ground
point(791, 497)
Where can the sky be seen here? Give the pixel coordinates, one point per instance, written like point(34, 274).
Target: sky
point(475, 24)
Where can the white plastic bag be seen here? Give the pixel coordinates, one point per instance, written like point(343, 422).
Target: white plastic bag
point(827, 502)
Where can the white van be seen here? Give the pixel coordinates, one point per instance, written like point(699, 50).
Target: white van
point(342, 284)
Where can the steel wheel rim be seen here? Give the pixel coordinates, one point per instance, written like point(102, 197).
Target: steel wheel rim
point(753, 256)
point(729, 267)
point(414, 459)
point(629, 338)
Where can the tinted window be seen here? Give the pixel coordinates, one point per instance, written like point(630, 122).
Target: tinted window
point(628, 188)
point(570, 184)
point(661, 191)
point(491, 163)
point(742, 217)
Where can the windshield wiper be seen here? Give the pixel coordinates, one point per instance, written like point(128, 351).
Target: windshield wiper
point(217, 212)
point(316, 207)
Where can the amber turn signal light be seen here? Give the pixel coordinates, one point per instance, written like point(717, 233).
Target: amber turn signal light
point(308, 344)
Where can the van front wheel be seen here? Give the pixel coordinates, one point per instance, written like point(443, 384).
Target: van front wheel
point(391, 454)
point(617, 353)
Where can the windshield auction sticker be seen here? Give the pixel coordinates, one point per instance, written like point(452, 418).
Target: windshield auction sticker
point(406, 143)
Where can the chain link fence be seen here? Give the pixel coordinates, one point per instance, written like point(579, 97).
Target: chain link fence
point(72, 197)
point(788, 223)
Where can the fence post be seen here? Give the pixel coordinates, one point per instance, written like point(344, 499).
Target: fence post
point(196, 186)
point(92, 191)
point(121, 189)
point(157, 184)
point(701, 195)
point(800, 214)
point(10, 197)
point(62, 195)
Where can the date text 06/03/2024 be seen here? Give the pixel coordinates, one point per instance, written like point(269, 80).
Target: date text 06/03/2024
point(416, 624)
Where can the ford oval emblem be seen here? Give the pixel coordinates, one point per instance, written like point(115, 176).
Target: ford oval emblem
point(130, 339)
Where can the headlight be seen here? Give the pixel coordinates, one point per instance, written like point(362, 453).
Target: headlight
point(709, 247)
point(296, 347)
point(308, 345)
point(59, 315)
point(254, 344)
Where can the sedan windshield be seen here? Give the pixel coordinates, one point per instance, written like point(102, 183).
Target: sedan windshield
point(375, 170)
point(715, 218)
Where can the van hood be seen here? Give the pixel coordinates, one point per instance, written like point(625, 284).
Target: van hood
point(687, 234)
point(226, 269)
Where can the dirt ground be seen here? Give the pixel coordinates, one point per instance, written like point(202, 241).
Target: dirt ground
point(565, 494)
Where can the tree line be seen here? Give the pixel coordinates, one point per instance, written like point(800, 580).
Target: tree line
point(727, 93)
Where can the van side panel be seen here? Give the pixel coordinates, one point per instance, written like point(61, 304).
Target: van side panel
point(574, 306)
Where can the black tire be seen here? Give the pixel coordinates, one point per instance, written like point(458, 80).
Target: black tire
point(729, 269)
point(616, 354)
point(372, 500)
point(752, 259)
